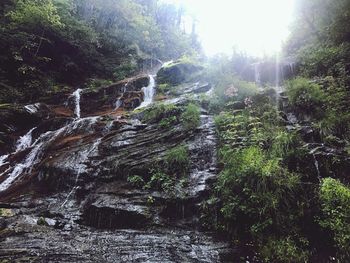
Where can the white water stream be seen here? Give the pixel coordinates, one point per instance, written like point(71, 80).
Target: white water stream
point(76, 94)
point(148, 93)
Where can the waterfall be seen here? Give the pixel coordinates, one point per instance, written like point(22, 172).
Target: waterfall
point(33, 108)
point(257, 74)
point(84, 156)
point(76, 95)
point(3, 159)
point(22, 143)
point(148, 93)
point(118, 104)
point(39, 146)
point(317, 166)
point(25, 141)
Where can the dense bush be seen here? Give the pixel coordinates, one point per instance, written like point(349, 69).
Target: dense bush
point(335, 204)
point(159, 111)
point(257, 192)
point(306, 97)
point(284, 250)
point(177, 159)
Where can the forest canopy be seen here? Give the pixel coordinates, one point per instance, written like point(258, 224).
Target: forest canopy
point(48, 44)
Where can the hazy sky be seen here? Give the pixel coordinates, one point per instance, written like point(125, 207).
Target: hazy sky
point(254, 26)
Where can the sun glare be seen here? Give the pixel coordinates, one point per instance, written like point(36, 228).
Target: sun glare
point(257, 27)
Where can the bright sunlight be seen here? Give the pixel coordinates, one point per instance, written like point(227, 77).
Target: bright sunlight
point(253, 26)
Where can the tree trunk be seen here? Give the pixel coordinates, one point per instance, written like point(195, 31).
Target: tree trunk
point(41, 41)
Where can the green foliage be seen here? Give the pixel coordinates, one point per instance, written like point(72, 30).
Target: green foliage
point(159, 111)
point(49, 43)
point(136, 181)
point(41, 221)
point(177, 159)
point(166, 123)
point(35, 14)
point(283, 250)
point(163, 88)
point(94, 84)
point(305, 96)
point(257, 191)
point(335, 205)
point(191, 117)
point(160, 181)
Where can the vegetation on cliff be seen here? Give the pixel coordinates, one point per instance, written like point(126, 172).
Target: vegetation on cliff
point(284, 180)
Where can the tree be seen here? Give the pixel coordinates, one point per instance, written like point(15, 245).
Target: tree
point(35, 15)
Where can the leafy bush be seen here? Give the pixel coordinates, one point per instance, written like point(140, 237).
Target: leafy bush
point(167, 122)
point(163, 88)
point(191, 117)
point(159, 111)
point(136, 181)
point(306, 96)
point(256, 192)
point(160, 181)
point(284, 251)
point(335, 205)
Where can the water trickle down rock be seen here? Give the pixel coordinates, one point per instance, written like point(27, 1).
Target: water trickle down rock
point(76, 94)
point(39, 147)
point(84, 156)
point(25, 141)
point(148, 93)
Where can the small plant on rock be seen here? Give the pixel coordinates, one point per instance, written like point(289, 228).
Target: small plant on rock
point(191, 117)
point(136, 181)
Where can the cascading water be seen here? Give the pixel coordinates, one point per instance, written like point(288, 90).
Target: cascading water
point(76, 94)
point(32, 108)
point(84, 156)
point(39, 146)
point(317, 166)
point(148, 93)
point(3, 159)
point(25, 141)
point(257, 74)
point(118, 104)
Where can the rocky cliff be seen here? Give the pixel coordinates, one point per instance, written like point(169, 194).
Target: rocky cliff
point(95, 176)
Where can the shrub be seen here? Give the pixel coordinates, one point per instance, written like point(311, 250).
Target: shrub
point(167, 122)
point(177, 159)
point(191, 117)
point(163, 88)
point(335, 205)
point(136, 181)
point(306, 96)
point(160, 181)
point(158, 111)
point(283, 250)
point(256, 192)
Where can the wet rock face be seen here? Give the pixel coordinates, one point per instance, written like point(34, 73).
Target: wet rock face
point(76, 203)
point(129, 90)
